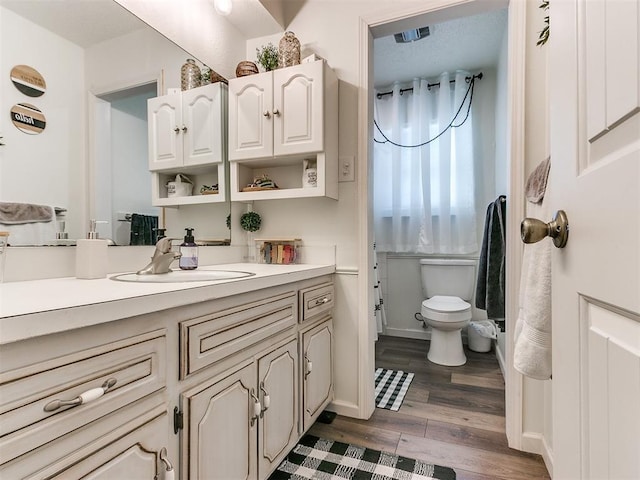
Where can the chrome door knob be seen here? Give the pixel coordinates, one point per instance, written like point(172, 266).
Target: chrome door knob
point(533, 230)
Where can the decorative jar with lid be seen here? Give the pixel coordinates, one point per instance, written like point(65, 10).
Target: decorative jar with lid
point(190, 75)
point(288, 50)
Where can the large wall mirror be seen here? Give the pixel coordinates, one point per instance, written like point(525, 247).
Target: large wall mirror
point(100, 64)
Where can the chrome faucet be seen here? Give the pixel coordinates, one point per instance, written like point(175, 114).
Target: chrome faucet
point(161, 259)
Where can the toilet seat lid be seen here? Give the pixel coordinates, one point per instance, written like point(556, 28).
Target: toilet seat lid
point(444, 303)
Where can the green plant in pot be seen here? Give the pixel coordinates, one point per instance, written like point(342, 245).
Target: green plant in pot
point(250, 221)
point(268, 56)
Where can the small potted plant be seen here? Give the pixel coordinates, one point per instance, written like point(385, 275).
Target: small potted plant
point(250, 222)
point(268, 56)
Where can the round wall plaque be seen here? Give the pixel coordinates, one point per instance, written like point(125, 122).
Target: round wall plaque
point(28, 119)
point(28, 80)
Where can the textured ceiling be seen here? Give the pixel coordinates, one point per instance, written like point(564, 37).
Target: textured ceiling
point(83, 22)
point(88, 22)
point(469, 43)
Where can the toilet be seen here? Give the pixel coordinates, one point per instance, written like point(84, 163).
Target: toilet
point(448, 285)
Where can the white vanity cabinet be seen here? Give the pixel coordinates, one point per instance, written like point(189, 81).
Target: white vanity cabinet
point(187, 134)
point(244, 424)
point(279, 119)
point(121, 424)
point(316, 340)
point(242, 419)
point(220, 387)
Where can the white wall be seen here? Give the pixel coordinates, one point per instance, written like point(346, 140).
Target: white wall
point(47, 168)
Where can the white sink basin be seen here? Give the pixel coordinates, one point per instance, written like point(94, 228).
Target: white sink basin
point(179, 276)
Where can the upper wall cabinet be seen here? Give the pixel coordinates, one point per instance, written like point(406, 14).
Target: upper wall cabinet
point(281, 122)
point(187, 133)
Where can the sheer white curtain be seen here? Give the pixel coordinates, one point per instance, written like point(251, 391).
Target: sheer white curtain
point(424, 196)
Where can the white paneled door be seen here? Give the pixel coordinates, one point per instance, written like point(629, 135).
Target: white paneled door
point(595, 178)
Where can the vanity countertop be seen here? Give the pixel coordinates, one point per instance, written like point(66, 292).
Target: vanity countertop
point(41, 307)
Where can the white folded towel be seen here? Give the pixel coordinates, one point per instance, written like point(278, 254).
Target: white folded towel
point(35, 233)
point(532, 351)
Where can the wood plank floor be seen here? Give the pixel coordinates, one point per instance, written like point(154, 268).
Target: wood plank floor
point(451, 416)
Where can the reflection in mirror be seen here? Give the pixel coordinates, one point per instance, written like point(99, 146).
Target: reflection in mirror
point(100, 64)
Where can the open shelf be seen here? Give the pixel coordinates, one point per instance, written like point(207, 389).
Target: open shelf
point(199, 176)
point(285, 172)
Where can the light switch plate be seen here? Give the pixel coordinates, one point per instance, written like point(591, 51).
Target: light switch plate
point(346, 169)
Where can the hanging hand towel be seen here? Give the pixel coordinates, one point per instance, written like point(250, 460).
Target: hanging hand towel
point(491, 265)
point(537, 182)
point(17, 213)
point(143, 229)
point(28, 224)
point(532, 350)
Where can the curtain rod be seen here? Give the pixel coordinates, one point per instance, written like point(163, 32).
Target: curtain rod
point(429, 85)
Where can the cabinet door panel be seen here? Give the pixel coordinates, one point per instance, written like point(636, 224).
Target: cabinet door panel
point(221, 442)
point(201, 116)
point(165, 144)
point(317, 370)
point(250, 117)
point(278, 375)
point(298, 96)
point(133, 457)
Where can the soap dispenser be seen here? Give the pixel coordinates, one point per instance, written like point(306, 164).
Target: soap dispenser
point(189, 251)
point(91, 255)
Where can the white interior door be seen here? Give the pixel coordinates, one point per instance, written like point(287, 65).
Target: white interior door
point(595, 178)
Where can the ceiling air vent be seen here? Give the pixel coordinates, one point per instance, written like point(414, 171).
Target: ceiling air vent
point(411, 35)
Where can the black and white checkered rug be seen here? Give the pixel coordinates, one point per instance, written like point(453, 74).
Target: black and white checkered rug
point(391, 387)
point(317, 458)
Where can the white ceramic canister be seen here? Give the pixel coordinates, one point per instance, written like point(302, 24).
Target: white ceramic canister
point(309, 174)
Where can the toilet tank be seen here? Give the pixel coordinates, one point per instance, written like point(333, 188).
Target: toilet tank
point(448, 276)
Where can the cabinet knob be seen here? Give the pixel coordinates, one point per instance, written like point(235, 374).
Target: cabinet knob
point(184, 129)
point(84, 397)
point(276, 112)
point(177, 130)
point(266, 113)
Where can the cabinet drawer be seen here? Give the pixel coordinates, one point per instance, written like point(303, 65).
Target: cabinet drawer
point(137, 365)
point(209, 339)
point(316, 300)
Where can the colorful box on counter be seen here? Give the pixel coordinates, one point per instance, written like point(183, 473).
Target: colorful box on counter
point(277, 251)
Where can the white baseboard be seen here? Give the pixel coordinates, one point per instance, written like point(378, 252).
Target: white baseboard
point(406, 333)
point(547, 456)
point(346, 409)
point(501, 360)
point(537, 443)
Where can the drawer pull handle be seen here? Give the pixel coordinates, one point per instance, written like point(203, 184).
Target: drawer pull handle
point(84, 397)
point(309, 367)
point(257, 408)
point(170, 473)
point(266, 399)
point(321, 301)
